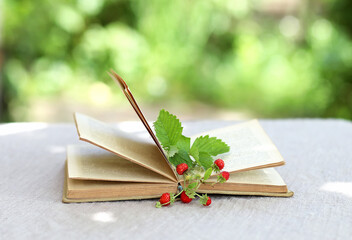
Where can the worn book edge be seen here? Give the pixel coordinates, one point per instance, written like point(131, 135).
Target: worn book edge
point(66, 199)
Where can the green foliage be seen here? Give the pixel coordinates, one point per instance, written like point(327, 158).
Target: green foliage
point(204, 147)
point(203, 199)
point(190, 193)
point(236, 55)
point(205, 160)
point(181, 156)
point(184, 143)
point(212, 146)
point(192, 185)
point(207, 173)
point(168, 130)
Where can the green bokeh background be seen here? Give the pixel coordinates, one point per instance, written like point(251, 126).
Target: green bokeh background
point(274, 59)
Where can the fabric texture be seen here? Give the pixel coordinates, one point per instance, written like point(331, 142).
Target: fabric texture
point(318, 169)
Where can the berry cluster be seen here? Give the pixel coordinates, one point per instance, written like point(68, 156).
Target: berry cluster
point(192, 181)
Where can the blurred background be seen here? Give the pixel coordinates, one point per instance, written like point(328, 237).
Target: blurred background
point(214, 59)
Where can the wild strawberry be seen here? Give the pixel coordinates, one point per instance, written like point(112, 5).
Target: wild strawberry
point(181, 168)
point(185, 198)
point(225, 175)
point(165, 198)
point(220, 163)
point(208, 202)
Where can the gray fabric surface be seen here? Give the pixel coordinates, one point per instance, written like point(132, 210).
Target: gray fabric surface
point(318, 169)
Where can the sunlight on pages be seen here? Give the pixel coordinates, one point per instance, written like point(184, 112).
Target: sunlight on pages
point(104, 217)
point(131, 127)
point(136, 128)
point(13, 128)
point(344, 188)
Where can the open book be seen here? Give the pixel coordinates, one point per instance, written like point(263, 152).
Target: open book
point(119, 165)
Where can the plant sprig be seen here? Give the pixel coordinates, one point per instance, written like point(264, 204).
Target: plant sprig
point(192, 182)
point(196, 160)
point(178, 148)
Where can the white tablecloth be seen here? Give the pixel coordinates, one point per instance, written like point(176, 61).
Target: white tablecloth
point(318, 169)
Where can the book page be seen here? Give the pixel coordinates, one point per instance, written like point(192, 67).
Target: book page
point(98, 190)
point(250, 147)
point(260, 180)
point(91, 190)
point(266, 176)
point(137, 150)
point(138, 111)
point(92, 163)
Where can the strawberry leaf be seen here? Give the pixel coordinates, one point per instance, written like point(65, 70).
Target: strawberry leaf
point(207, 173)
point(190, 193)
point(172, 151)
point(181, 157)
point(184, 143)
point(212, 145)
point(192, 185)
point(205, 160)
point(168, 129)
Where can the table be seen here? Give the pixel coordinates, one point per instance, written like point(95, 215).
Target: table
point(318, 169)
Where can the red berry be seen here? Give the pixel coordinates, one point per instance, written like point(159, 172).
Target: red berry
point(208, 202)
point(181, 168)
point(220, 163)
point(165, 198)
point(185, 198)
point(226, 175)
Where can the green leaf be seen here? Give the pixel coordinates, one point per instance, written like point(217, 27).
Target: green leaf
point(207, 173)
point(205, 160)
point(197, 177)
point(212, 145)
point(190, 193)
point(181, 157)
point(158, 204)
point(192, 185)
point(195, 154)
point(184, 143)
point(168, 129)
point(172, 151)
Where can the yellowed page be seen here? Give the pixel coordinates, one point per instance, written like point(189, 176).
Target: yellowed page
point(137, 150)
point(100, 190)
point(250, 147)
point(116, 190)
point(91, 191)
point(92, 163)
point(260, 180)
